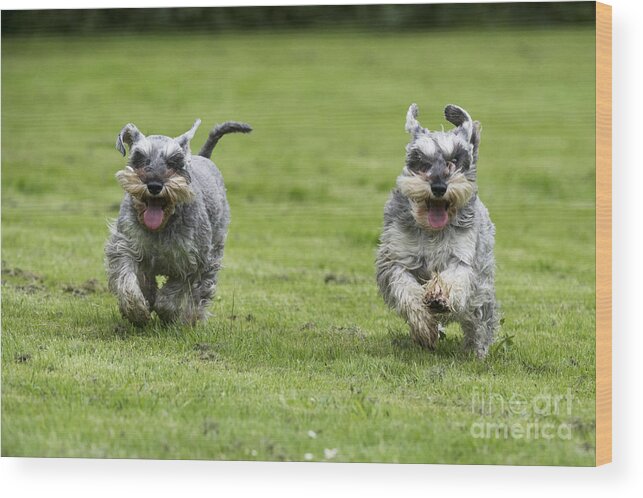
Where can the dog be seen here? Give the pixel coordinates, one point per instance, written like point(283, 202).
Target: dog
point(172, 223)
point(435, 262)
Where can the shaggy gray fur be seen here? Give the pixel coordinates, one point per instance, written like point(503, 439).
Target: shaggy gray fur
point(187, 247)
point(432, 269)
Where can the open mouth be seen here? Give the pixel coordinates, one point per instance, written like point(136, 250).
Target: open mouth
point(438, 213)
point(153, 214)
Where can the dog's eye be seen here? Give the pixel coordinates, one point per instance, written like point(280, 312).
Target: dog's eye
point(174, 162)
point(419, 165)
point(138, 160)
point(175, 165)
point(416, 161)
point(461, 162)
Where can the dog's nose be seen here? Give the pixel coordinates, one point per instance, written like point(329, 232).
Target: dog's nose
point(155, 187)
point(438, 189)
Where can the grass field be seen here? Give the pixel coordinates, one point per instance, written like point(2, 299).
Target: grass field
point(300, 340)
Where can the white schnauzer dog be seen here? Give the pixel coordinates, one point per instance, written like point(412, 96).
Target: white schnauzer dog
point(173, 223)
point(435, 262)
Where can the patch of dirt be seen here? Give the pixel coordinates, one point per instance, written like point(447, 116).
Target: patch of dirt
point(120, 330)
point(332, 278)
point(350, 330)
point(91, 286)
point(210, 427)
point(20, 273)
point(206, 352)
point(587, 448)
point(23, 358)
point(30, 288)
point(402, 340)
point(22, 280)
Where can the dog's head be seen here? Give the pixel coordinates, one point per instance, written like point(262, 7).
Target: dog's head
point(157, 173)
point(439, 177)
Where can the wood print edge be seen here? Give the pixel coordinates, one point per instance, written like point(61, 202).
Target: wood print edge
point(603, 233)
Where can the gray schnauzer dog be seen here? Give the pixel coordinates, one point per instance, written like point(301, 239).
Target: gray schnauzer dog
point(435, 262)
point(173, 223)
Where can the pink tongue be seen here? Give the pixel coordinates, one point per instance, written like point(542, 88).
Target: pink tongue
point(438, 216)
point(153, 217)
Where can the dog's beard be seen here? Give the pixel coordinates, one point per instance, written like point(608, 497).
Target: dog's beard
point(431, 212)
point(154, 211)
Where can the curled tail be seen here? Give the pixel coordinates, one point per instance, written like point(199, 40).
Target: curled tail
point(218, 131)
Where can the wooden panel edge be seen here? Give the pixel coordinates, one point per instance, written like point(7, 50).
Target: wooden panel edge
point(603, 233)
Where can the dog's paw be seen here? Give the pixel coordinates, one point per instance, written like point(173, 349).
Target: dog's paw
point(424, 329)
point(437, 304)
point(472, 347)
point(436, 297)
point(138, 313)
point(133, 306)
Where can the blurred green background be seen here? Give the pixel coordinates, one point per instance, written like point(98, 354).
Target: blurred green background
point(300, 340)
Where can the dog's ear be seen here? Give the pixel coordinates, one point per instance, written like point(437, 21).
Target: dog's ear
point(412, 125)
point(129, 135)
point(460, 118)
point(184, 140)
point(475, 139)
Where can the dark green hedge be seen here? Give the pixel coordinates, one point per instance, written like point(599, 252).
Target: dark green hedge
point(365, 17)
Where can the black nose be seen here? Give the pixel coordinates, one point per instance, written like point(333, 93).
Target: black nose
point(155, 187)
point(438, 189)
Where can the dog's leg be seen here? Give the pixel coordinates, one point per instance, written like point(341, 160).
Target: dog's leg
point(402, 291)
point(479, 327)
point(207, 282)
point(122, 273)
point(450, 290)
point(205, 290)
point(147, 282)
point(490, 320)
point(175, 302)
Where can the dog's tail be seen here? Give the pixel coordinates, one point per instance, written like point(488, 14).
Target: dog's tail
point(218, 131)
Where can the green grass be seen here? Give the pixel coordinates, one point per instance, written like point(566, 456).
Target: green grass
point(300, 340)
